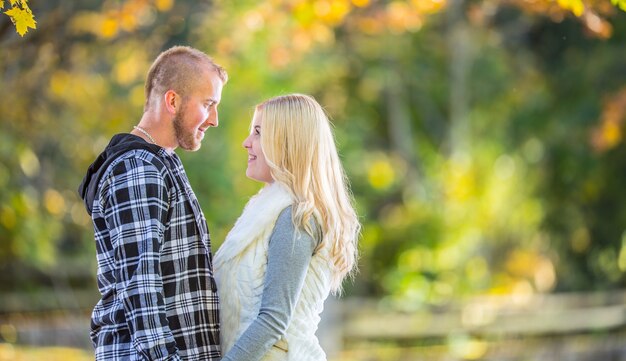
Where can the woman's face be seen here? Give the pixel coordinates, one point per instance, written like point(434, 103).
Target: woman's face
point(257, 166)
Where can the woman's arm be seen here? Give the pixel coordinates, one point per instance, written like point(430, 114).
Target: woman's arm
point(287, 263)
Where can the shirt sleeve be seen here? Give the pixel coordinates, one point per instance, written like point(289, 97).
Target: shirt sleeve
point(136, 206)
point(288, 260)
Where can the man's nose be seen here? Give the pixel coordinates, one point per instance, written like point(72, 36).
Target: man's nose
point(213, 119)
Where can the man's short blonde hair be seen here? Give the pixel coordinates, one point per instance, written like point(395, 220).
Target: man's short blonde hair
point(177, 69)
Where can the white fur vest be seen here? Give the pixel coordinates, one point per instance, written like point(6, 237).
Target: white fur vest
point(240, 266)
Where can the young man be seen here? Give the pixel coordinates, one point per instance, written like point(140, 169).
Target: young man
point(159, 298)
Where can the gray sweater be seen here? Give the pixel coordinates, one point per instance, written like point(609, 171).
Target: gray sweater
point(288, 258)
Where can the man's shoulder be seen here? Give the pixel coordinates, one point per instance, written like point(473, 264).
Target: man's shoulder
point(139, 158)
point(136, 164)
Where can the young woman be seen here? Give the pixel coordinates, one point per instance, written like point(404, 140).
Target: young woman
point(295, 241)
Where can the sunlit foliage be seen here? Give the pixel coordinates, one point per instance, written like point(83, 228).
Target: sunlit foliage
point(483, 140)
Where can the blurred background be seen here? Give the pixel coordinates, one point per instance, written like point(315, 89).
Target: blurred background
point(484, 141)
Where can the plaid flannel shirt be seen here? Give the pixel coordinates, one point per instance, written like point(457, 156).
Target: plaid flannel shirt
point(159, 297)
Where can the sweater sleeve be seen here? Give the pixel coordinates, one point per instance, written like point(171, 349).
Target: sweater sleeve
point(287, 263)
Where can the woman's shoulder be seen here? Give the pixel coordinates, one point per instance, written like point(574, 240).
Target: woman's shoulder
point(284, 225)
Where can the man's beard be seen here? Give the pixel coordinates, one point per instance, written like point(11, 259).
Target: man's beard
point(186, 139)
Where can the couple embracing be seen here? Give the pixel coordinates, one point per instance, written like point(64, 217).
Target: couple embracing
point(163, 294)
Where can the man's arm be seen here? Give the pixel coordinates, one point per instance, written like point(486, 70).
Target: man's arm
point(135, 207)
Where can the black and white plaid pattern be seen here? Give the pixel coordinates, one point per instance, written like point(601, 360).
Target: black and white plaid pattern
point(159, 298)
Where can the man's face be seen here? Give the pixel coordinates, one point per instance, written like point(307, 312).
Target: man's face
point(198, 111)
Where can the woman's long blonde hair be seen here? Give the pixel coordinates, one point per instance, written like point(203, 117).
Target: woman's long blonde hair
point(299, 147)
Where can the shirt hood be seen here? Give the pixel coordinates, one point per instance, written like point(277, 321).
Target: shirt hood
point(119, 144)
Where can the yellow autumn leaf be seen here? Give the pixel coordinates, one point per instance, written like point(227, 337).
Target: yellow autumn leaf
point(25, 6)
point(22, 19)
point(164, 5)
point(576, 6)
point(381, 174)
point(611, 134)
point(360, 3)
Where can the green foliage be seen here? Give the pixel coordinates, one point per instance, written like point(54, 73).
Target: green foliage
point(485, 150)
point(620, 3)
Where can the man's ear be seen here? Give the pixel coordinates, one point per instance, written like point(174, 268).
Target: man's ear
point(172, 101)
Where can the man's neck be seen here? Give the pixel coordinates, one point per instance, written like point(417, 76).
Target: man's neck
point(156, 128)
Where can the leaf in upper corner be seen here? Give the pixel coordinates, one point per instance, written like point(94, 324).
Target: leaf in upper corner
point(22, 19)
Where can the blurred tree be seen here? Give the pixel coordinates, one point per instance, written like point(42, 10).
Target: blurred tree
point(453, 110)
point(483, 139)
point(65, 92)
